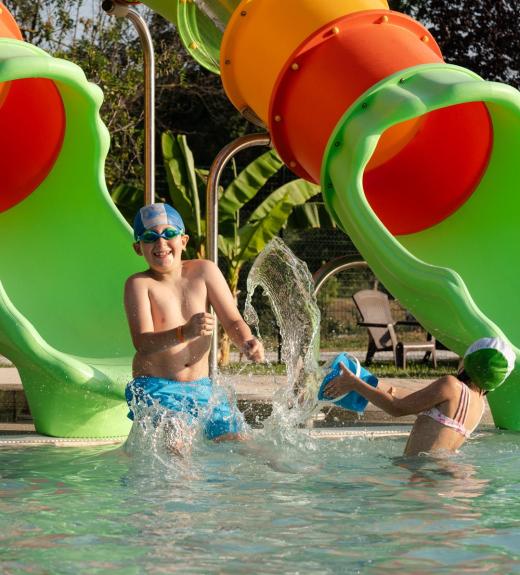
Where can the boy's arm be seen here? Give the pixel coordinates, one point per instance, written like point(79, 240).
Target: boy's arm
point(435, 393)
point(223, 302)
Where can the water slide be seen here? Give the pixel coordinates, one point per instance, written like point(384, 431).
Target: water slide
point(65, 249)
point(415, 158)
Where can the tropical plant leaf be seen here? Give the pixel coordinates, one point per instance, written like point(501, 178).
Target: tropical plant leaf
point(226, 246)
point(271, 215)
point(310, 215)
point(192, 180)
point(179, 182)
point(247, 184)
point(290, 195)
point(128, 199)
point(186, 185)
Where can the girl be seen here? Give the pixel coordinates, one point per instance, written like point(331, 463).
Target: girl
point(450, 408)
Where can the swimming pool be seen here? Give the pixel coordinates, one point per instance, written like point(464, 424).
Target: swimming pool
point(297, 505)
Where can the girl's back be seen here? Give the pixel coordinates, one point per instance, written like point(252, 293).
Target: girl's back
point(446, 426)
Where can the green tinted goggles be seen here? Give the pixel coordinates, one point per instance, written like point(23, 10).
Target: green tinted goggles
point(151, 236)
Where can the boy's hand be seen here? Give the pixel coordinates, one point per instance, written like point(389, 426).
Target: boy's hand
point(198, 324)
point(254, 350)
point(340, 385)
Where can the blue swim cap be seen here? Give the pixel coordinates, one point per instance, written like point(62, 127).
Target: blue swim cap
point(156, 215)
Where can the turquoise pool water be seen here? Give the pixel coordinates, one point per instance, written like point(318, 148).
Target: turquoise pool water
point(297, 505)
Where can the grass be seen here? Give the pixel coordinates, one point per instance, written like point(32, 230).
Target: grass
point(415, 370)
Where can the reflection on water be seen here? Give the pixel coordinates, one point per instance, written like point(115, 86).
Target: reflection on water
point(282, 502)
point(350, 506)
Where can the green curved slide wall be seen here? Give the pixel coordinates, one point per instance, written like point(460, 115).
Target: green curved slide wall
point(65, 254)
point(200, 25)
point(460, 277)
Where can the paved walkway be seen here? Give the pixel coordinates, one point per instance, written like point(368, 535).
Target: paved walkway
point(255, 393)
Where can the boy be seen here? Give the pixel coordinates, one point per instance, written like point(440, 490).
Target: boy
point(167, 310)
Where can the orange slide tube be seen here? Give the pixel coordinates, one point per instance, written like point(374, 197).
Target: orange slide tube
point(330, 70)
point(299, 65)
point(251, 60)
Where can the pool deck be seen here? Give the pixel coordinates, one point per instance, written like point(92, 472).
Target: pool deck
point(254, 395)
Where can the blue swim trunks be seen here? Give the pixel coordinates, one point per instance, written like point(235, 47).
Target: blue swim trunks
point(198, 399)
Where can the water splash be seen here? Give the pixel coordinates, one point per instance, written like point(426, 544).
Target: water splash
point(158, 433)
point(288, 284)
point(166, 434)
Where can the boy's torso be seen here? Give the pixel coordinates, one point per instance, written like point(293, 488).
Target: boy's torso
point(173, 303)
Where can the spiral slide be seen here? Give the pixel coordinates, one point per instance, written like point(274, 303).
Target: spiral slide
point(65, 250)
point(417, 158)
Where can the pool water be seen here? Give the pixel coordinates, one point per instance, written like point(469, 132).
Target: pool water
point(274, 505)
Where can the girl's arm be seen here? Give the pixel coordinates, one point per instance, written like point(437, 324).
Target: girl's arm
point(392, 389)
point(435, 393)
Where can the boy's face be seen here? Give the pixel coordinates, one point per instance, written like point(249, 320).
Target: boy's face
point(162, 254)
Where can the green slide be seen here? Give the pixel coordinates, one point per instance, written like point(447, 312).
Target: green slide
point(200, 24)
point(460, 276)
point(65, 250)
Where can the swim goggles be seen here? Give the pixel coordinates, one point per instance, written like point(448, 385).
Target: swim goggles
point(151, 236)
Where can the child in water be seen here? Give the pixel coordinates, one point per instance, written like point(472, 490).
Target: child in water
point(449, 409)
point(167, 309)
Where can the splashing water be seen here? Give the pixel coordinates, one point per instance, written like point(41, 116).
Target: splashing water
point(159, 433)
point(288, 284)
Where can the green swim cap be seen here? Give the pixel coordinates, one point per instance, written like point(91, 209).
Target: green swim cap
point(488, 362)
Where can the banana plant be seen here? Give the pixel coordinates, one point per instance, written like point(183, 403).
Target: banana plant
point(186, 185)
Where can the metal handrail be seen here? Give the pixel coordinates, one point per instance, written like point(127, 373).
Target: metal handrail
point(215, 173)
point(119, 10)
point(333, 267)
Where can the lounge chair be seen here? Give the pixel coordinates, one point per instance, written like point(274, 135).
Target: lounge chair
point(374, 308)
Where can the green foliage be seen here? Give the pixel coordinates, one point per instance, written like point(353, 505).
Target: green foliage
point(329, 291)
point(481, 36)
point(128, 199)
point(238, 242)
point(186, 185)
point(265, 222)
point(310, 215)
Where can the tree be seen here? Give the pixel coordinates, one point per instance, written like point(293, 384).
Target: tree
point(481, 36)
point(189, 99)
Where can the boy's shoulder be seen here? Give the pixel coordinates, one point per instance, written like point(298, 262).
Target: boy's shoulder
point(199, 266)
point(139, 277)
